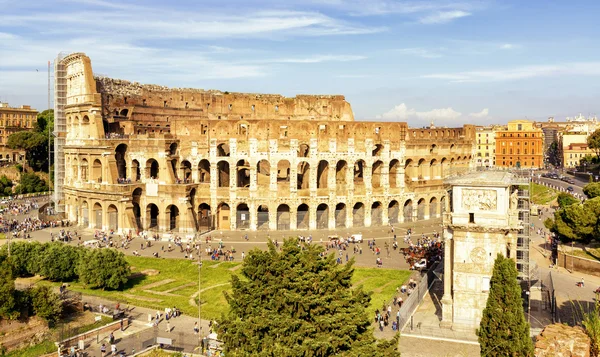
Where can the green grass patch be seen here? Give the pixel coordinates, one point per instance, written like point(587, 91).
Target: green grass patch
point(105, 320)
point(588, 253)
point(542, 195)
point(35, 350)
point(216, 278)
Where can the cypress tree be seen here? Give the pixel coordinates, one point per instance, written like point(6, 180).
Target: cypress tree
point(298, 303)
point(503, 330)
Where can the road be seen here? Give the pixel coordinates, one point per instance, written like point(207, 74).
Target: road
point(577, 187)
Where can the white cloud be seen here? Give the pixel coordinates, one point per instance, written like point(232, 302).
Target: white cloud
point(443, 17)
point(316, 59)
point(420, 52)
point(401, 112)
point(439, 114)
point(482, 114)
point(576, 68)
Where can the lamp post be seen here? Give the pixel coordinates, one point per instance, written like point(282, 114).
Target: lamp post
point(199, 290)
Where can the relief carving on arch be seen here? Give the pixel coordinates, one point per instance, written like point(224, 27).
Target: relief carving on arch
point(479, 200)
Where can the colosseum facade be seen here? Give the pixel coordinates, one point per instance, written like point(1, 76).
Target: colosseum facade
point(147, 157)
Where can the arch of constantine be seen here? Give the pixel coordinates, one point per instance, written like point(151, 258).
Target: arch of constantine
point(148, 157)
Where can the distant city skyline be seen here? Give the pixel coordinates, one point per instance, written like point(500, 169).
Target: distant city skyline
point(453, 62)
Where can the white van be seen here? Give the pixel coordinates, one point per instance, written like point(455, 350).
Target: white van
point(356, 238)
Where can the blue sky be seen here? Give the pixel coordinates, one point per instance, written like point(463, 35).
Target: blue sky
point(453, 62)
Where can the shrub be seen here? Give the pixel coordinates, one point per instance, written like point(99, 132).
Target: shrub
point(103, 268)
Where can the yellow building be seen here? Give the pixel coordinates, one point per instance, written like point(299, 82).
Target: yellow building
point(485, 154)
point(574, 148)
point(520, 145)
point(13, 120)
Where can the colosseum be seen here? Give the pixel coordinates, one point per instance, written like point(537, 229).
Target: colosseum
point(147, 157)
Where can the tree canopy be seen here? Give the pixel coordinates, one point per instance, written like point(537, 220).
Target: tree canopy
point(35, 142)
point(5, 186)
point(30, 183)
point(592, 189)
point(578, 221)
point(7, 291)
point(566, 199)
point(593, 141)
point(297, 303)
point(503, 330)
point(103, 268)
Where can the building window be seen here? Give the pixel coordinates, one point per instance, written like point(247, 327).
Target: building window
point(519, 127)
point(503, 151)
point(471, 217)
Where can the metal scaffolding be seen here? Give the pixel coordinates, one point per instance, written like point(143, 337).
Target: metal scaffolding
point(523, 186)
point(60, 132)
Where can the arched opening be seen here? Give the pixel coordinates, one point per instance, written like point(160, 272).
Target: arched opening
point(136, 197)
point(434, 169)
point(443, 167)
point(283, 176)
point(421, 209)
point(376, 210)
point(204, 218)
point(262, 217)
point(341, 171)
point(172, 213)
point(359, 183)
point(186, 171)
point(135, 171)
point(421, 169)
point(85, 214)
point(394, 167)
point(243, 216)
point(409, 173)
point(74, 169)
point(86, 120)
point(442, 204)
point(263, 174)
point(358, 215)
point(433, 208)
point(242, 169)
point(223, 174)
point(152, 169)
point(378, 149)
point(113, 218)
point(204, 171)
point(340, 215)
point(97, 171)
point(124, 112)
point(174, 170)
point(84, 166)
point(173, 149)
point(223, 214)
point(408, 211)
point(120, 152)
point(302, 217)
point(303, 150)
point(283, 218)
point(376, 174)
point(98, 215)
point(152, 216)
point(322, 174)
point(393, 211)
point(322, 216)
point(303, 175)
point(223, 150)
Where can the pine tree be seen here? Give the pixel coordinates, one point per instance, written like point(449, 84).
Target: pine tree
point(503, 330)
point(297, 303)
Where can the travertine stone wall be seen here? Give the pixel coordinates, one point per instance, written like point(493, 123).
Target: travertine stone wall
point(286, 163)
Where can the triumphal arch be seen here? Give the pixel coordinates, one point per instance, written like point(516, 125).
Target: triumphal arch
point(134, 156)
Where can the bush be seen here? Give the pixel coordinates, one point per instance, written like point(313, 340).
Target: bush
point(59, 262)
point(103, 268)
point(19, 167)
point(7, 291)
point(5, 186)
point(45, 303)
point(31, 183)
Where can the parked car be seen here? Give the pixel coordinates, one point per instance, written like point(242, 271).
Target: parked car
point(421, 264)
point(570, 189)
point(356, 238)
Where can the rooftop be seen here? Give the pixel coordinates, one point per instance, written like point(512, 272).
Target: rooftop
point(487, 178)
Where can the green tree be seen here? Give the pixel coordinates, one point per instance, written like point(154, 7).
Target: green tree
point(30, 183)
point(7, 290)
point(297, 303)
point(593, 141)
point(35, 142)
point(503, 330)
point(5, 186)
point(103, 268)
point(577, 221)
point(59, 262)
point(592, 189)
point(46, 303)
point(566, 199)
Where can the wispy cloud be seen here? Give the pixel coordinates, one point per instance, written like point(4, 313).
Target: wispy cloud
point(421, 52)
point(315, 59)
point(517, 73)
point(482, 114)
point(403, 112)
point(443, 17)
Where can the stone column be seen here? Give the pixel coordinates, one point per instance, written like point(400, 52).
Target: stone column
point(273, 178)
point(384, 215)
point(426, 211)
point(253, 215)
point(447, 301)
point(293, 217)
point(195, 176)
point(331, 216)
point(367, 214)
point(415, 211)
point(273, 217)
point(233, 216)
point(331, 178)
point(385, 176)
point(312, 215)
point(253, 180)
point(349, 217)
point(293, 178)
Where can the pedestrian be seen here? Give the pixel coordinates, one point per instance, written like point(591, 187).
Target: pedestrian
point(121, 324)
point(196, 330)
point(103, 350)
point(111, 338)
point(113, 349)
point(582, 282)
point(168, 327)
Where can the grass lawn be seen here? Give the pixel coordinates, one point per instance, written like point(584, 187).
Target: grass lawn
point(542, 195)
point(588, 253)
point(35, 350)
point(177, 283)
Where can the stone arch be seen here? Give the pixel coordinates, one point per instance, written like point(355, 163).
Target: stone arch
point(421, 169)
point(433, 208)
point(358, 215)
point(98, 215)
point(263, 174)
point(172, 148)
point(223, 174)
point(113, 218)
point(136, 198)
point(359, 173)
point(242, 169)
point(341, 170)
point(434, 170)
point(283, 217)
point(421, 207)
point(393, 171)
point(84, 170)
point(120, 153)
point(322, 216)
point(135, 171)
point(186, 171)
point(262, 217)
point(409, 170)
point(322, 174)
point(85, 213)
point(302, 217)
point(393, 211)
point(75, 169)
point(223, 150)
point(377, 150)
point(85, 120)
point(303, 175)
point(204, 217)
point(408, 211)
point(283, 175)
point(152, 169)
point(97, 171)
point(442, 204)
point(376, 174)
point(223, 216)
point(152, 213)
point(204, 171)
point(340, 215)
point(242, 213)
point(303, 150)
point(376, 212)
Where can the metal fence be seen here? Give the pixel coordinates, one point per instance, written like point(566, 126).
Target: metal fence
point(262, 220)
point(340, 218)
point(549, 296)
point(410, 304)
